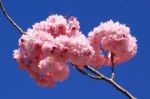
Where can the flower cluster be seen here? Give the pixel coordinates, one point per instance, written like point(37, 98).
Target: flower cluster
point(114, 38)
point(45, 50)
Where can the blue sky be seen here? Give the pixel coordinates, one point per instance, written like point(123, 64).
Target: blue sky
point(133, 75)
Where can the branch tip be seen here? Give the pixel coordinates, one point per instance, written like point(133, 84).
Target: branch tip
point(9, 18)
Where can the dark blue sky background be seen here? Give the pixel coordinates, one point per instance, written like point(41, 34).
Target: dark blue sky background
point(133, 75)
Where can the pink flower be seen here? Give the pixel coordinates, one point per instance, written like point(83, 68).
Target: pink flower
point(58, 25)
point(45, 50)
point(77, 49)
point(58, 70)
point(114, 38)
point(73, 26)
point(55, 25)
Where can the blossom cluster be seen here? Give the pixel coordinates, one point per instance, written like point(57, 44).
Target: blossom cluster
point(112, 37)
point(46, 49)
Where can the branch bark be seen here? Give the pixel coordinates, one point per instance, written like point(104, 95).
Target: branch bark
point(9, 18)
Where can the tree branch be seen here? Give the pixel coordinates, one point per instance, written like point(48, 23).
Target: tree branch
point(86, 74)
point(95, 72)
point(109, 80)
point(9, 18)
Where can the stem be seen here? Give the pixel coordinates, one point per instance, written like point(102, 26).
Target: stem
point(9, 18)
point(94, 71)
point(112, 67)
point(87, 74)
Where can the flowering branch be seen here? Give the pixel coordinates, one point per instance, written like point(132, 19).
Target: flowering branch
point(9, 18)
point(45, 62)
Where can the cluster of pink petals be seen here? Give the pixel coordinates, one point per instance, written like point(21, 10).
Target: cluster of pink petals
point(45, 50)
point(112, 37)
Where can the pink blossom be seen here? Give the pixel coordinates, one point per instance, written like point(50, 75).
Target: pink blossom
point(73, 26)
point(114, 38)
point(45, 50)
point(77, 49)
point(58, 25)
point(58, 70)
point(55, 25)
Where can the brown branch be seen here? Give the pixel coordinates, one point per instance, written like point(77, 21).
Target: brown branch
point(9, 18)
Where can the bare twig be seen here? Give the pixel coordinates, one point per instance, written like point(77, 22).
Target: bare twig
point(9, 18)
point(95, 72)
point(87, 74)
point(112, 67)
point(100, 76)
point(111, 81)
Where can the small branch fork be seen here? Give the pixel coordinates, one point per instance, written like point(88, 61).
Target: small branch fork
point(97, 75)
point(87, 74)
point(100, 76)
point(9, 18)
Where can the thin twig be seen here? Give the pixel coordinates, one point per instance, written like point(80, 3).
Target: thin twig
point(9, 18)
point(94, 71)
point(111, 81)
point(86, 74)
point(112, 67)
